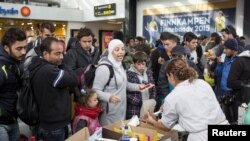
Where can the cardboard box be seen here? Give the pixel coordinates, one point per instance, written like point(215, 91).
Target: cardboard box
point(166, 134)
point(108, 131)
point(81, 135)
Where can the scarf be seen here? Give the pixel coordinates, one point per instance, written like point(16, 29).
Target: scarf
point(112, 44)
point(90, 112)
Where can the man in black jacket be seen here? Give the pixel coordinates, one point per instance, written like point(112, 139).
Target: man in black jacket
point(33, 48)
point(162, 53)
point(12, 51)
point(51, 80)
point(164, 87)
point(239, 77)
point(83, 54)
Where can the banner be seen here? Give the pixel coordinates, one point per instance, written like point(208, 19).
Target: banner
point(199, 22)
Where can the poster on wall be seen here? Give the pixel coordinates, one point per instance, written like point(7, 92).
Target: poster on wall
point(105, 36)
point(200, 19)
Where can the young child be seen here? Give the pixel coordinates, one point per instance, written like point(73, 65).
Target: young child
point(87, 111)
point(139, 102)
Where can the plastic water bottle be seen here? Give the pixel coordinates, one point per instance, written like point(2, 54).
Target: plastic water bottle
point(247, 116)
point(125, 135)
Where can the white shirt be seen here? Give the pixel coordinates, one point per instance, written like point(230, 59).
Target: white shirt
point(194, 106)
point(194, 56)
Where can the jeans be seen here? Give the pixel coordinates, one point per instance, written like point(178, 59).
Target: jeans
point(56, 135)
point(9, 132)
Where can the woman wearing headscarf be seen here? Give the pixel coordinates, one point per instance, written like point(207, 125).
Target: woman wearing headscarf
point(113, 95)
point(192, 103)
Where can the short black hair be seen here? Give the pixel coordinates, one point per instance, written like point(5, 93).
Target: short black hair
point(143, 48)
point(46, 44)
point(189, 36)
point(47, 25)
point(128, 39)
point(230, 30)
point(139, 38)
point(12, 35)
point(168, 36)
point(85, 32)
point(118, 35)
point(242, 38)
point(216, 38)
point(202, 37)
point(139, 57)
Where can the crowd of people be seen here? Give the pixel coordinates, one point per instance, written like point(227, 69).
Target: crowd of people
point(199, 81)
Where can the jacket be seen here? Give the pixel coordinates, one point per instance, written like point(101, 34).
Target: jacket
point(222, 72)
point(51, 88)
point(155, 67)
point(83, 118)
point(239, 74)
point(164, 88)
point(134, 98)
point(10, 82)
point(77, 57)
point(112, 112)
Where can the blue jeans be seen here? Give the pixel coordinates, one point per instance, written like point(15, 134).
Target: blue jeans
point(47, 135)
point(9, 132)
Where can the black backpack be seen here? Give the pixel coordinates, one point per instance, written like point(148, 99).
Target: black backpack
point(89, 75)
point(27, 108)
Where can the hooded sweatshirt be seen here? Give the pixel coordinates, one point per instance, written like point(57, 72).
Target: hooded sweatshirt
point(240, 71)
point(51, 88)
point(9, 84)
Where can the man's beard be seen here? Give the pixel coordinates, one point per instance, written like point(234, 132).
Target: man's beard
point(22, 57)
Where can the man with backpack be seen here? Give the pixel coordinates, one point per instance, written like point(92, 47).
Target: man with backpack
point(50, 81)
point(12, 51)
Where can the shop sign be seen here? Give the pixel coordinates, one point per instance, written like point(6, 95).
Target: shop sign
point(105, 10)
point(10, 11)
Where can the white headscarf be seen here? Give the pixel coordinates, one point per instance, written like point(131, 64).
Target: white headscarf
point(112, 44)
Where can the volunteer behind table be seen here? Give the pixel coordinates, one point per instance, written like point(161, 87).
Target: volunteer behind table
point(192, 103)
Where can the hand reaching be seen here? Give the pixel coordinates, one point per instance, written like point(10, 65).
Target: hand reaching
point(143, 87)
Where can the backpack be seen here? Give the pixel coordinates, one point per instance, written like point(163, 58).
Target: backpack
point(87, 78)
point(27, 108)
